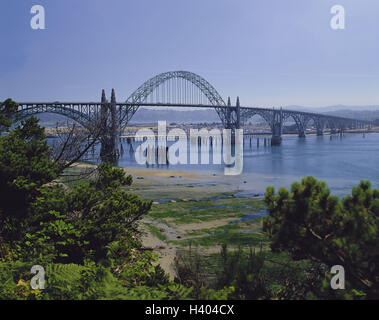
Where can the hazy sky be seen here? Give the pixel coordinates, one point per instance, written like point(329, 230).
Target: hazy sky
point(269, 52)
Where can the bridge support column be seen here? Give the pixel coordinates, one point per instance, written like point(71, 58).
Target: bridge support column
point(232, 117)
point(276, 140)
point(276, 128)
point(301, 123)
point(238, 114)
point(320, 125)
point(229, 114)
point(302, 134)
point(109, 142)
point(115, 127)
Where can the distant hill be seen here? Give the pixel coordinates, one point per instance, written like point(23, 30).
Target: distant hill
point(369, 115)
point(357, 112)
point(332, 108)
point(145, 115)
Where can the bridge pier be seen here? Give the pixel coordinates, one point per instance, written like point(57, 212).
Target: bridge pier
point(302, 134)
point(238, 113)
point(276, 140)
point(109, 121)
point(229, 114)
point(232, 116)
point(301, 123)
point(276, 128)
point(320, 125)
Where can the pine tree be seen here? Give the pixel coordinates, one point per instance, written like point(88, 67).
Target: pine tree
point(311, 224)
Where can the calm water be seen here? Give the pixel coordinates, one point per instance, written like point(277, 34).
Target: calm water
point(340, 161)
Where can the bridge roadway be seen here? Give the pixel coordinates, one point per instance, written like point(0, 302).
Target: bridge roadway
point(85, 109)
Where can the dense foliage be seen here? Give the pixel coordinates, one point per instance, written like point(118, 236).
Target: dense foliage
point(85, 237)
point(24, 168)
point(7, 110)
point(309, 223)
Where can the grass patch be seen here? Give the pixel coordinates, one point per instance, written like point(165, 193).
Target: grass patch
point(230, 234)
point(183, 212)
point(156, 232)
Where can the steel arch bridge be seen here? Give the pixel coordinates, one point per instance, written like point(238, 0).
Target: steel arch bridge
point(183, 89)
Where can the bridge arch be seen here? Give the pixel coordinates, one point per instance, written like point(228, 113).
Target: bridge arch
point(147, 88)
point(301, 120)
point(332, 124)
point(247, 114)
point(79, 117)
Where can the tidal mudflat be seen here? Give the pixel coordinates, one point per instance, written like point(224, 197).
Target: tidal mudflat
point(201, 211)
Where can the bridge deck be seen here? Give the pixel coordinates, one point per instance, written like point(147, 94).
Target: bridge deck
point(170, 105)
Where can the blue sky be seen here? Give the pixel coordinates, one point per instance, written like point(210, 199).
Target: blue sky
point(269, 52)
